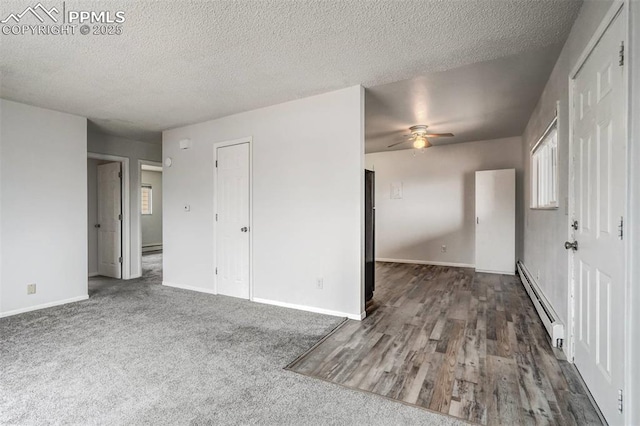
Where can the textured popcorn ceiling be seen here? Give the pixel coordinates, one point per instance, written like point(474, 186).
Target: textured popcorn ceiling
point(481, 101)
point(183, 62)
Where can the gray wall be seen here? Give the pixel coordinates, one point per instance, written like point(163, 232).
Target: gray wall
point(43, 220)
point(438, 203)
point(152, 224)
point(134, 150)
point(546, 231)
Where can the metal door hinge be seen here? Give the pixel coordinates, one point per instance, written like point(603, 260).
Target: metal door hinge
point(120, 174)
point(216, 163)
point(620, 400)
point(621, 228)
point(216, 217)
point(119, 217)
point(120, 260)
point(216, 270)
point(621, 63)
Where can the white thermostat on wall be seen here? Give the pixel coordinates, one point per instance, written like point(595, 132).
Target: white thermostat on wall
point(168, 161)
point(396, 191)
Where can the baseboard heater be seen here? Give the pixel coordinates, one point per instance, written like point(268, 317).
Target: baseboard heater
point(151, 247)
point(549, 318)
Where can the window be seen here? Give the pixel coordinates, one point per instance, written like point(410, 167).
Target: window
point(146, 206)
point(544, 169)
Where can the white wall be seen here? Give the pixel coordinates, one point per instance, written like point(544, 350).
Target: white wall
point(134, 150)
point(152, 224)
point(546, 230)
point(308, 160)
point(92, 215)
point(438, 202)
point(43, 219)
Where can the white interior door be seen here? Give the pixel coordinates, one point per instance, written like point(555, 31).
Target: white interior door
point(109, 220)
point(496, 221)
point(599, 176)
point(232, 225)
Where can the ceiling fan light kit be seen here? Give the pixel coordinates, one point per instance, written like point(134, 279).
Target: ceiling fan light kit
point(420, 142)
point(419, 137)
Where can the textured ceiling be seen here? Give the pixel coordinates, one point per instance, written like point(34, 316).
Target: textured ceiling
point(183, 62)
point(481, 101)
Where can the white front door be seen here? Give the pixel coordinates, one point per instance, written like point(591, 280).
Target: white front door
point(109, 220)
point(232, 225)
point(598, 188)
point(496, 221)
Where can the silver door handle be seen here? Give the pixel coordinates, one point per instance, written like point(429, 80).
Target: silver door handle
point(571, 245)
point(244, 229)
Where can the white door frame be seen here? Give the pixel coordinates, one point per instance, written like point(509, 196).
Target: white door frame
point(139, 191)
point(217, 145)
point(126, 222)
point(633, 230)
point(616, 8)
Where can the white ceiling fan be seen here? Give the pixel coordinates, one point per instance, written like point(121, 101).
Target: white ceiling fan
point(419, 137)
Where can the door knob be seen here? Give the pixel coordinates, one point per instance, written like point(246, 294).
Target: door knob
point(571, 245)
point(244, 229)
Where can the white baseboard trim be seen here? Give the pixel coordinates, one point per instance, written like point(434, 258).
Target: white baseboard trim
point(188, 287)
point(426, 262)
point(93, 274)
point(310, 309)
point(484, 271)
point(43, 306)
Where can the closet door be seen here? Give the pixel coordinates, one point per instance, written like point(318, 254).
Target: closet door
point(496, 221)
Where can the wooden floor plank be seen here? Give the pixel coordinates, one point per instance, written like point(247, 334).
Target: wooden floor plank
point(457, 342)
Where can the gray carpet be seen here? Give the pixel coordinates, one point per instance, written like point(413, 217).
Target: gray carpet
point(137, 352)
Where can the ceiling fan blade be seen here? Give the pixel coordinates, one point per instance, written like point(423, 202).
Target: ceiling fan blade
point(397, 143)
point(439, 135)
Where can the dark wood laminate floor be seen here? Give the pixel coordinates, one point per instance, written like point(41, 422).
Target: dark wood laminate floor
point(457, 342)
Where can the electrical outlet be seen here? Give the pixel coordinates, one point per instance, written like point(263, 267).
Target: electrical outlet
point(443, 248)
point(320, 283)
point(31, 289)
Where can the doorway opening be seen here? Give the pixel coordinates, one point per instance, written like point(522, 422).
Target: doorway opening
point(150, 200)
point(107, 214)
